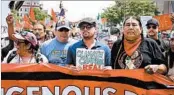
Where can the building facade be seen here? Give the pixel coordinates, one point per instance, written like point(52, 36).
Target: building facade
point(165, 6)
point(25, 9)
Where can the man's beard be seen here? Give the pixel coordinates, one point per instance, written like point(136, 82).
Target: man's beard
point(151, 36)
point(88, 37)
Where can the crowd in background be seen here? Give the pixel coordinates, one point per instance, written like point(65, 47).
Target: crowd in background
point(128, 49)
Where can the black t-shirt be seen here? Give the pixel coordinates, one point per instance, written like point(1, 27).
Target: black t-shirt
point(147, 53)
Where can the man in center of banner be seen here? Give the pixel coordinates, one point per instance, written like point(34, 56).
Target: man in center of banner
point(88, 51)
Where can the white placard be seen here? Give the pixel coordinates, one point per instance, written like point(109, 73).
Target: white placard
point(85, 56)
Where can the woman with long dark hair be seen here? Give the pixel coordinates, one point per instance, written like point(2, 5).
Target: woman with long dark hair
point(134, 51)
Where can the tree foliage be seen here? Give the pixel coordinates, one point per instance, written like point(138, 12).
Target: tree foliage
point(39, 14)
point(116, 13)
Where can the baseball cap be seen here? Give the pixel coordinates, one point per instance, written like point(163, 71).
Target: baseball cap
point(152, 21)
point(87, 20)
point(25, 35)
point(62, 24)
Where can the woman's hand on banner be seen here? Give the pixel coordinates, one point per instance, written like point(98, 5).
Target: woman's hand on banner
point(151, 69)
point(161, 69)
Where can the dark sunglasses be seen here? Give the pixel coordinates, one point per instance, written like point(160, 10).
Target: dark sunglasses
point(154, 27)
point(63, 30)
point(86, 26)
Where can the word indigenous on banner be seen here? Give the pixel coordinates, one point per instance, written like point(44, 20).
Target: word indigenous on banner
point(50, 79)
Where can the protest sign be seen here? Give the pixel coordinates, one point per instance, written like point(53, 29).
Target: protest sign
point(86, 57)
point(165, 22)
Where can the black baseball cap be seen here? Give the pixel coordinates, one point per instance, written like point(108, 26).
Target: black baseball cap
point(152, 21)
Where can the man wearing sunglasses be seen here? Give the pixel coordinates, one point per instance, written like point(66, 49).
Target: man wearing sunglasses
point(152, 32)
point(56, 49)
point(88, 30)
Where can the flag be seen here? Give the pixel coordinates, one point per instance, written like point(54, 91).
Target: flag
point(31, 14)
point(25, 18)
point(62, 12)
point(53, 14)
point(27, 24)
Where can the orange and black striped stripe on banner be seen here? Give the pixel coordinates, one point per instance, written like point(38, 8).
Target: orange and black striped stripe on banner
point(49, 79)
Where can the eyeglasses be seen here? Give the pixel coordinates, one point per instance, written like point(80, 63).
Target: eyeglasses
point(154, 27)
point(86, 26)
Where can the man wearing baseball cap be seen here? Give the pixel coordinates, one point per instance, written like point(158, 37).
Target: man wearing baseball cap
point(152, 32)
point(88, 30)
point(56, 49)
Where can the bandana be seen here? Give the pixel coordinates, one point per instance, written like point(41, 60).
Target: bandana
point(130, 48)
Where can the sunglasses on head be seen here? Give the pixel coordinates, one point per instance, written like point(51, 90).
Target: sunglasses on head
point(86, 26)
point(63, 30)
point(154, 27)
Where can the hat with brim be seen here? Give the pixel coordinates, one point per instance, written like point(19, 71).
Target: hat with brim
point(60, 27)
point(87, 20)
point(152, 21)
point(19, 36)
point(63, 24)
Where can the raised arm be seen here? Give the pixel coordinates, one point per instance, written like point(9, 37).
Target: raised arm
point(10, 21)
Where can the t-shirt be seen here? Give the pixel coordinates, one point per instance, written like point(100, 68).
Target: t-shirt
point(55, 51)
point(147, 53)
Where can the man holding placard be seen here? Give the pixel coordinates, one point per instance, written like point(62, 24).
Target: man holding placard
point(88, 52)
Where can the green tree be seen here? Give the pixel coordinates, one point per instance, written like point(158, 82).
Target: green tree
point(39, 14)
point(116, 13)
